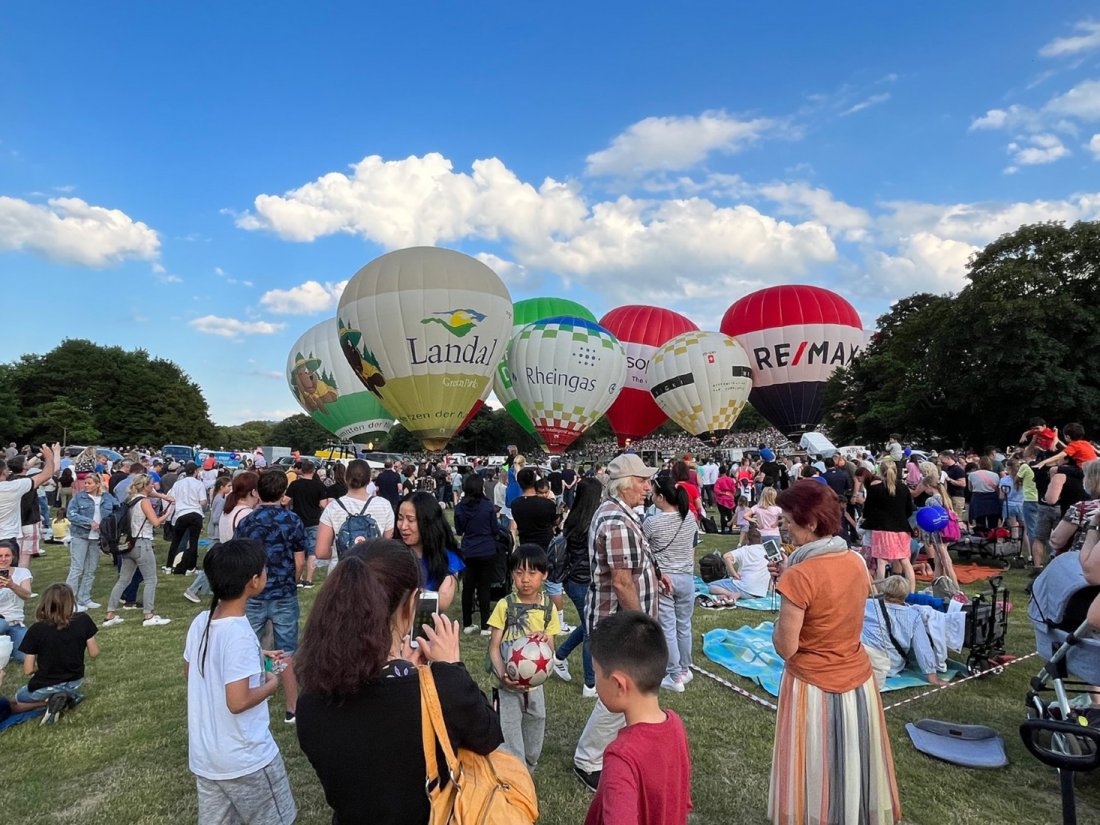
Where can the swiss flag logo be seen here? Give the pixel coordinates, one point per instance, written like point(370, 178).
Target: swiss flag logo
point(710, 357)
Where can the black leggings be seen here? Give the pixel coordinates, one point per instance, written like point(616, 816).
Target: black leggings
point(186, 532)
point(478, 576)
point(727, 518)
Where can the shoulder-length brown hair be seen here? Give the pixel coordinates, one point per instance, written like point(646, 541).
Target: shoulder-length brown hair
point(348, 636)
point(57, 606)
point(812, 505)
point(243, 484)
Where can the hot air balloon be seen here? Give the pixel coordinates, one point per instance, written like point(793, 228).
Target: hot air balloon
point(426, 328)
point(327, 387)
point(641, 330)
point(567, 373)
point(796, 337)
point(702, 382)
point(523, 313)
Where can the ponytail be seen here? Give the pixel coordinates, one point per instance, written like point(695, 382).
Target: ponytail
point(673, 494)
point(890, 475)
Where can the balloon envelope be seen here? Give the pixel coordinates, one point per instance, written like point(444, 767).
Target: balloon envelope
point(640, 329)
point(425, 328)
point(796, 337)
point(523, 313)
point(702, 381)
point(567, 372)
point(931, 518)
point(325, 385)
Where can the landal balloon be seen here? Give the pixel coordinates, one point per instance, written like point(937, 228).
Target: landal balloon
point(796, 337)
point(702, 382)
point(425, 329)
point(334, 394)
point(523, 313)
point(640, 329)
point(567, 371)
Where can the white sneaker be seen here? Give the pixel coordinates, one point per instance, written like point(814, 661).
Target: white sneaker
point(92, 605)
point(561, 670)
point(566, 629)
point(589, 692)
point(82, 608)
point(191, 597)
point(470, 630)
point(112, 622)
point(673, 684)
point(486, 632)
point(166, 570)
point(686, 676)
point(155, 621)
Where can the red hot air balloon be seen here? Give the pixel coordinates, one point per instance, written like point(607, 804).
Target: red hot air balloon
point(796, 337)
point(641, 330)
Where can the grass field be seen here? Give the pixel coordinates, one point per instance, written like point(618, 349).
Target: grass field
point(121, 757)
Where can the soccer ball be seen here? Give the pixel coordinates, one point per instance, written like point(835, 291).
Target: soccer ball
point(529, 662)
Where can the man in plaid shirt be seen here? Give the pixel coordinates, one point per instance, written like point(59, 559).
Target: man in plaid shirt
point(624, 577)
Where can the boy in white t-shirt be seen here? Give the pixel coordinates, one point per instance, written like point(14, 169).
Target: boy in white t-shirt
point(238, 769)
point(748, 569)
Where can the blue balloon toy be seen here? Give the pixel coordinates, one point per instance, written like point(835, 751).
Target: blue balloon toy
point(932, 519)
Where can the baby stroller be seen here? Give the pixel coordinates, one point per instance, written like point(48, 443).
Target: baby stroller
point(1061, 732)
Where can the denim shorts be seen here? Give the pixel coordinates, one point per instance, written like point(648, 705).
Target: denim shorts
point(1031, 518)
point(1046, 519)
point(24, 695)
point(311, 540)
point(283, 614)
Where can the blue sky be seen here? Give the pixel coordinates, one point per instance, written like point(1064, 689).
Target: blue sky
point(199, 179)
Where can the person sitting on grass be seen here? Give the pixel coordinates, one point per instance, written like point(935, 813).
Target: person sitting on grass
point(238, 769)
point(892, 630)
point(748, 571)
point(53, 652)
point(646, 777)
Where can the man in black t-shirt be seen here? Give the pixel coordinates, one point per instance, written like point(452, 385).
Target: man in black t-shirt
point(535, 518)
point(555, 480)
point(388, 483)
point(956, 481)
point(569, 482)
point(308, 497)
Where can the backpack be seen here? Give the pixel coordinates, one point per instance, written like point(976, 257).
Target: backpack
point(490, 790)
point(357, 528)
point(557, 555)
point(115, 532)
point(514, 617)
point(712, 567)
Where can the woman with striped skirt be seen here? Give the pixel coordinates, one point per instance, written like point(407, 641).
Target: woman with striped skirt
point(831, 764)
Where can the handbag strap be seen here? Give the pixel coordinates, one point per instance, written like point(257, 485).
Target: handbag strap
point(433, 729)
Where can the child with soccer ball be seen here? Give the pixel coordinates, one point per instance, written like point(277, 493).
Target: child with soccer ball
point(523, 627)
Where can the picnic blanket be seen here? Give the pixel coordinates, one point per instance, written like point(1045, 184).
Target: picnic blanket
point(969, 573)
point(748, 652)
point(702, 597)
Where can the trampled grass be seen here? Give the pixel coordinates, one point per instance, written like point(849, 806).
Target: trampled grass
point(121, 757)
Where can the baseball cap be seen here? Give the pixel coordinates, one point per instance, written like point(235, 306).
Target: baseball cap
point(628, 464)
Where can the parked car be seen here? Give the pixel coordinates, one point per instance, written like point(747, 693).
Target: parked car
point(72, 451)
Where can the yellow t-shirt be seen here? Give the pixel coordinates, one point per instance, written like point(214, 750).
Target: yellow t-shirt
point(525, 619)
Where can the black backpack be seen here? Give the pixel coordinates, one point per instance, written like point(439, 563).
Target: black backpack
point(712, 567)
point(115, 537)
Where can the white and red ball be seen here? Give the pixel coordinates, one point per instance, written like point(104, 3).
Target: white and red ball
point(528, 663)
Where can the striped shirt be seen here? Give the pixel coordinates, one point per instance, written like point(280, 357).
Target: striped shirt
point(909, 630)
point(672, 540)
point(616, 542)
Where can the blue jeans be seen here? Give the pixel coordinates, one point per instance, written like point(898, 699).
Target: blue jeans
point(25, 696)
point(16, 632)
point(576, 593)
point(675, 611)
point(83, 561)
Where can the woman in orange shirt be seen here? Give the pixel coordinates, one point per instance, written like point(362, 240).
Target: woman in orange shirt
point(831, 760)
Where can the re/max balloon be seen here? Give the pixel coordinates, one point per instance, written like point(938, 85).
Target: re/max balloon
point(426, 328)
point(640, 329)
point(523, 313)
point(329, 390)
point(702, 381)
point(795, 337)
point(567, 372)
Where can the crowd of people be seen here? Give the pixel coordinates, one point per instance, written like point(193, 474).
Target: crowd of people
point(618, 540)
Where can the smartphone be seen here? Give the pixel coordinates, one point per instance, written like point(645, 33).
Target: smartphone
point(426, 605)
point(772, 551)
point(4, 574)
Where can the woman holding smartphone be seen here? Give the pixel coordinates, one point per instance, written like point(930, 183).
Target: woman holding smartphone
point(358, 716)
point(422, 528)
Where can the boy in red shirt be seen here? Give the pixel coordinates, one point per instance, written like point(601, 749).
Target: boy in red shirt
point(646, 778)
point(1077, 448)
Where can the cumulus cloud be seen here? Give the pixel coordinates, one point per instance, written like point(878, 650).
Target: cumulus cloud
point(233, 327)
point(924, 262)
point(1094, 146)
point(72, 231)
point(305, 299)
point(1082, 102)
point(1036, 150)
point(801, 199)
point(1086, 37)
point(510, 272)
point(681, 142)
point(873, 100)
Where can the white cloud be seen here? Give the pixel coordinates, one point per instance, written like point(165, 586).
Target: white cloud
point(232, 327)
point(510, 272)
point(1094, 146)
point(925, 263)
point(873, 100)
point(1014, 117)
point(168, 278)
point(1082, 101)
point(1036, 150)
point(71, 231)
point(801, 199)
point(305, 299)
point(1087, 37)
point(679, 142)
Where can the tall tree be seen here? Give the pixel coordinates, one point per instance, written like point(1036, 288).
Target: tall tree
point(300, 432)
